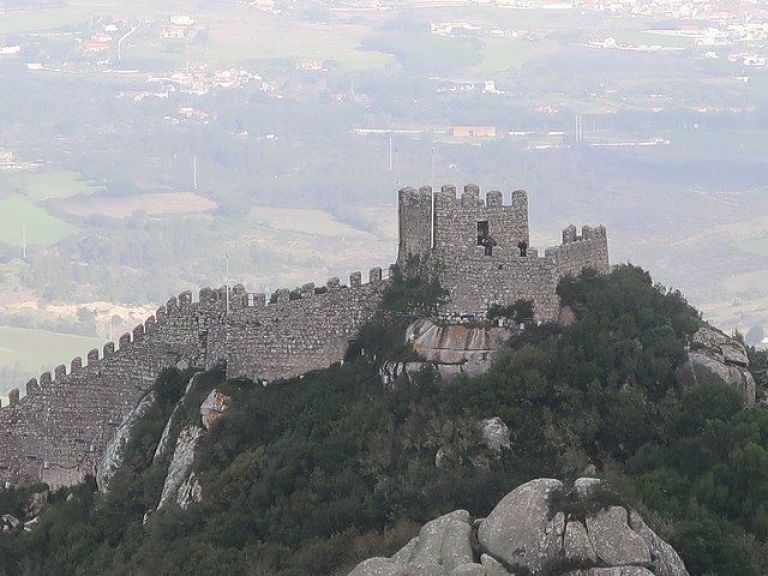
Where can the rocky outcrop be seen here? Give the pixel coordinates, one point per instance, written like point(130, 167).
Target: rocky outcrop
point(455, 344)
point(482, 446)
point(495, 434)
point(213, 407)
point(541, 527)
point(112, 458)
point(189, 492)
point(181, 483)
point(452, 350)
point(181, 463)
point(714, 358)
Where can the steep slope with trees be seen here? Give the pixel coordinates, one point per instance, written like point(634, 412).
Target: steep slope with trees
point(313, 475)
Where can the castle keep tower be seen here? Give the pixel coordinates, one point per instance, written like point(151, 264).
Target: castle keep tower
point(481, 250)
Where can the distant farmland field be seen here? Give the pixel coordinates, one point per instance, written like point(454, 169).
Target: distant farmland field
point(50, 185)
point(165, 204)
point(17, 212)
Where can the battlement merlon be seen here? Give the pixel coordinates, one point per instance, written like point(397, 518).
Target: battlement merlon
point(588, 250)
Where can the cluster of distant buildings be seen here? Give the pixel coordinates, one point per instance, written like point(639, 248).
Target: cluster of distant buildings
point(9, 162)
point(181, 26)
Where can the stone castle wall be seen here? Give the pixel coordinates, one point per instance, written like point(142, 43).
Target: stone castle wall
point(292, 337)
point(58, 431)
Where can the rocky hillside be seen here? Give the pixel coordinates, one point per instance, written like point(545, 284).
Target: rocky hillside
point(541, 527)
point(311, 476)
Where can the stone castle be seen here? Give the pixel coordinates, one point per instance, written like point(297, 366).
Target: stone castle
point(57, 433)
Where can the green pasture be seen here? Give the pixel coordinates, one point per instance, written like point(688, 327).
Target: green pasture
point(502, 54)
point(51, 185)
point(17, 212)
point(649, 38)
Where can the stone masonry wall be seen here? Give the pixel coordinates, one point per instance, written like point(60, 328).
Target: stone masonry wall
point(477, 282)
point(291, 337)
point(57, 432)
point(456, 221)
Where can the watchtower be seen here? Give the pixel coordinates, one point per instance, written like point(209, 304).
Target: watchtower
point(459, 227)
point(480, 247)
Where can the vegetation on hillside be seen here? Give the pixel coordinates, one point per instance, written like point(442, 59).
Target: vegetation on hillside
point(309, 476)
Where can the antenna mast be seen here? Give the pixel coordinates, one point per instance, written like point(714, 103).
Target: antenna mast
point(194, 173)
point(227, 279)
point(432, 199)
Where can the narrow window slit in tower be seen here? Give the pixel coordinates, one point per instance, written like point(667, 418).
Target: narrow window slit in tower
point(484, 238)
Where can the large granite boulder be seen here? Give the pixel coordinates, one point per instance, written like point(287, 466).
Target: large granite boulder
point(540, 528)
point(451, 350)
point(714, 358)
point(520, 531)
point(615, 543)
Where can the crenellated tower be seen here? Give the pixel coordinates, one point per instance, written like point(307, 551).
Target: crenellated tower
point(481, 249)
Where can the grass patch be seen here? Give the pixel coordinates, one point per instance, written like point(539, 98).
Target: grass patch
point(41, 228)
point(650, 38)
point(426, 52)
point(50, 185)
point(502, 54)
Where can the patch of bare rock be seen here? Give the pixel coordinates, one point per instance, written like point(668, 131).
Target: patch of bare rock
point(714, 358)
point(540, 528)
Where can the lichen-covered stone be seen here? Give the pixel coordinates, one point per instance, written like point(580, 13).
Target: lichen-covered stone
point(614, 541)
point(527, 534)
point(404, 555)
point(376, 567)
point(190, 492)
point(495, 434)
point(112, 458)
point(178, 469)
point(520, 531)
point(492, 566)
point(212, 408)
point(469, 570)
point(578, 549)
point(424, 570)
point(446, 541)
point(613, 571)
point(715, 358)
point(664, 559)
